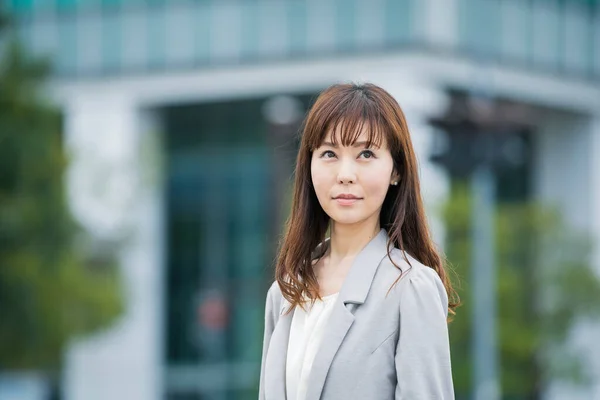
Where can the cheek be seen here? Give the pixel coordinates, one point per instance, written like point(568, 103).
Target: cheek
point(320, 180)
point(378, 188)
point(377, 182)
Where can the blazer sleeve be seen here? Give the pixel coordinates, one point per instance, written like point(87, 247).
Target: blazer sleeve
point(422, 359)
point(270, 321)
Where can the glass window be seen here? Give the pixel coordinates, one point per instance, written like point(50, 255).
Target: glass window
point(21, 6)
point(67, 5)
point(218, 198)
point(220, 247)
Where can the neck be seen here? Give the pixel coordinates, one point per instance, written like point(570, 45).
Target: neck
point(348, 240)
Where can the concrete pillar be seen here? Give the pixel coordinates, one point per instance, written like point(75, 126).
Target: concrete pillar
point(112, 196)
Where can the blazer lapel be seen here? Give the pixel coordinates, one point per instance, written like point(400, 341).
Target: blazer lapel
point(353, 292)
point(277, 355)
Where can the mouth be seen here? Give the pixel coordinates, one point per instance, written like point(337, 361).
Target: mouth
point(346, 196)
point(346, 199)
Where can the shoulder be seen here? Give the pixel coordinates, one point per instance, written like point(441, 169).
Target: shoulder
point(274, 298)
point(418, 283)
point(274, 292)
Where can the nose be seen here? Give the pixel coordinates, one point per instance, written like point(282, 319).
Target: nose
point(346, 173)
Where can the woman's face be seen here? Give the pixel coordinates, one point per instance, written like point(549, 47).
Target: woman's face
point(351, 182)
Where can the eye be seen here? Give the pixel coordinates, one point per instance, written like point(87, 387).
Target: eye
point(367, 154)
point(327, 154)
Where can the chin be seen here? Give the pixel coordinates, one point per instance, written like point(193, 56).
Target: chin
point(338, 218)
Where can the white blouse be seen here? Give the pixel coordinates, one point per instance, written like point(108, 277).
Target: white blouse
point(305, 335)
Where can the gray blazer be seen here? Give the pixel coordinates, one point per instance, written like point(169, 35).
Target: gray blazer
point(376, 346)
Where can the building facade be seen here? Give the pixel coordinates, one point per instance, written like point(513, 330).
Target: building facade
point(180, 114)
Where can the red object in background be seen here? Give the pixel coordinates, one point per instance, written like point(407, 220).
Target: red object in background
point(213, 313)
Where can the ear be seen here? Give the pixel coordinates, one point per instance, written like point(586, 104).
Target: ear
point(395, 178)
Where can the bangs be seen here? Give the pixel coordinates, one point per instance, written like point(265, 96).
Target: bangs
point(342, 119)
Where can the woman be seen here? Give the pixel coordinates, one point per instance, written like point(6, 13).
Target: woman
point(363, 313)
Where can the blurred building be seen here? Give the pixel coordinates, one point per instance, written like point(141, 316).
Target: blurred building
point(180, 117)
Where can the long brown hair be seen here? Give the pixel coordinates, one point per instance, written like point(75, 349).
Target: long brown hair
point(349, 107)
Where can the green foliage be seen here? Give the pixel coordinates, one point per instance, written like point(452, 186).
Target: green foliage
point(545, 284)
point(52, 286)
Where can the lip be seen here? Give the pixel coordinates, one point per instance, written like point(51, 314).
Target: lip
point(346, 196)
point(346, 199)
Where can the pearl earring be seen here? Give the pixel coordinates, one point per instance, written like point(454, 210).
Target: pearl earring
point(394, 183)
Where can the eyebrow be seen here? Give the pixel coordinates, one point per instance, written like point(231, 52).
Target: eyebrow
point(356, 144)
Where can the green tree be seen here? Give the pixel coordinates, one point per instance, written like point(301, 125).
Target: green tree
point(545, 285)
point(56, 283)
